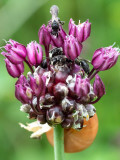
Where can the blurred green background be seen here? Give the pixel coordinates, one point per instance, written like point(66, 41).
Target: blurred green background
point(20, 20)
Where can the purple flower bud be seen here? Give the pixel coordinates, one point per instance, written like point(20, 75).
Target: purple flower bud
point(44, 36)
point(42, 117)
point(105, 58)
point(34, 53)
point(80, 31)
point(68, 105)
point(55, 115)
point(68, 121)
point(60, 91)
point(98, 87)
point(72, 48)
point(14, 70)
point(23, 92)
point(16, 52)
point(32, 115)
point(37, 83)
point(82, 87)
point(58, 41)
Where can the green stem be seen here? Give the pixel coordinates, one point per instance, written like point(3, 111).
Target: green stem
point(59, 142)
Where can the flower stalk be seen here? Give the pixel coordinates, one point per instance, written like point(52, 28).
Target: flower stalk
point(58, 142)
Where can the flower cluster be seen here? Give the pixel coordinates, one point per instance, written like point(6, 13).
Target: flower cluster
point(58, 89)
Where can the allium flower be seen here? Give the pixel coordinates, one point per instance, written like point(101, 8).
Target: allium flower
point(72, 48)
point(14, 70)
point(105, 58)
point(15, 52)
point(37, 84)
point(82, 86)
point(58, 41)
point(23, 92)
point(80, 31)
point(44, 36)
point(34, 53)
point(58, 91)
point(98, 87)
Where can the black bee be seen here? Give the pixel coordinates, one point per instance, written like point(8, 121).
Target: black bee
point(55, 28)
point(57, 57)
point(44, 64)
point(84, 64)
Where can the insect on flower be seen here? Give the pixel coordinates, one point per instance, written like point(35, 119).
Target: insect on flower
point(58, 90)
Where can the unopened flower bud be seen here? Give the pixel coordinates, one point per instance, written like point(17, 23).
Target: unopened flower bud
point(68, 105)
point(60, 91)
point(58, 41)
point(32, 115)
point(42, 117)
point(105, 58)
point(98, 87)
point(80, 31)
point(14, 70)
point(34, 53)
point(55, 115)
point(47, 99)
point(23, 92)
point(82, 87)
point(16, 52)
point(37, 84)
point(61, 76)
point(44, 36)
point(72, 48)
point(68, 122)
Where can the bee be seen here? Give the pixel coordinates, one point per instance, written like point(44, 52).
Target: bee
point(55, 22)
point(84, 64)
point(57, 57)
point(44, 64)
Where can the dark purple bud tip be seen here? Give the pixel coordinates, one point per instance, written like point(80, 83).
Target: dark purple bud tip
point(68, 105)
point(61, 76)
point(68, 122)
point(32, 115)
point(54, 115)
point(47, 99)
point(41, 118)
point(60, 91)
point(98, 87)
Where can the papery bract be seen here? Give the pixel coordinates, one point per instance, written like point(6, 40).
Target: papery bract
point(34, 53)
point(105, 58)
point(14, 70)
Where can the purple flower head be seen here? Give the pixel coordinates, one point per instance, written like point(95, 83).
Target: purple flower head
point(14, 70)
point(34, 53)
point(81, 31)
point(44, 36)
point(105, 58)
point(38, 84)
point(98, 87)
point(58, 41)
point(16, 52)
point(72, 48)
point(82, 87)
point(23, 92)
